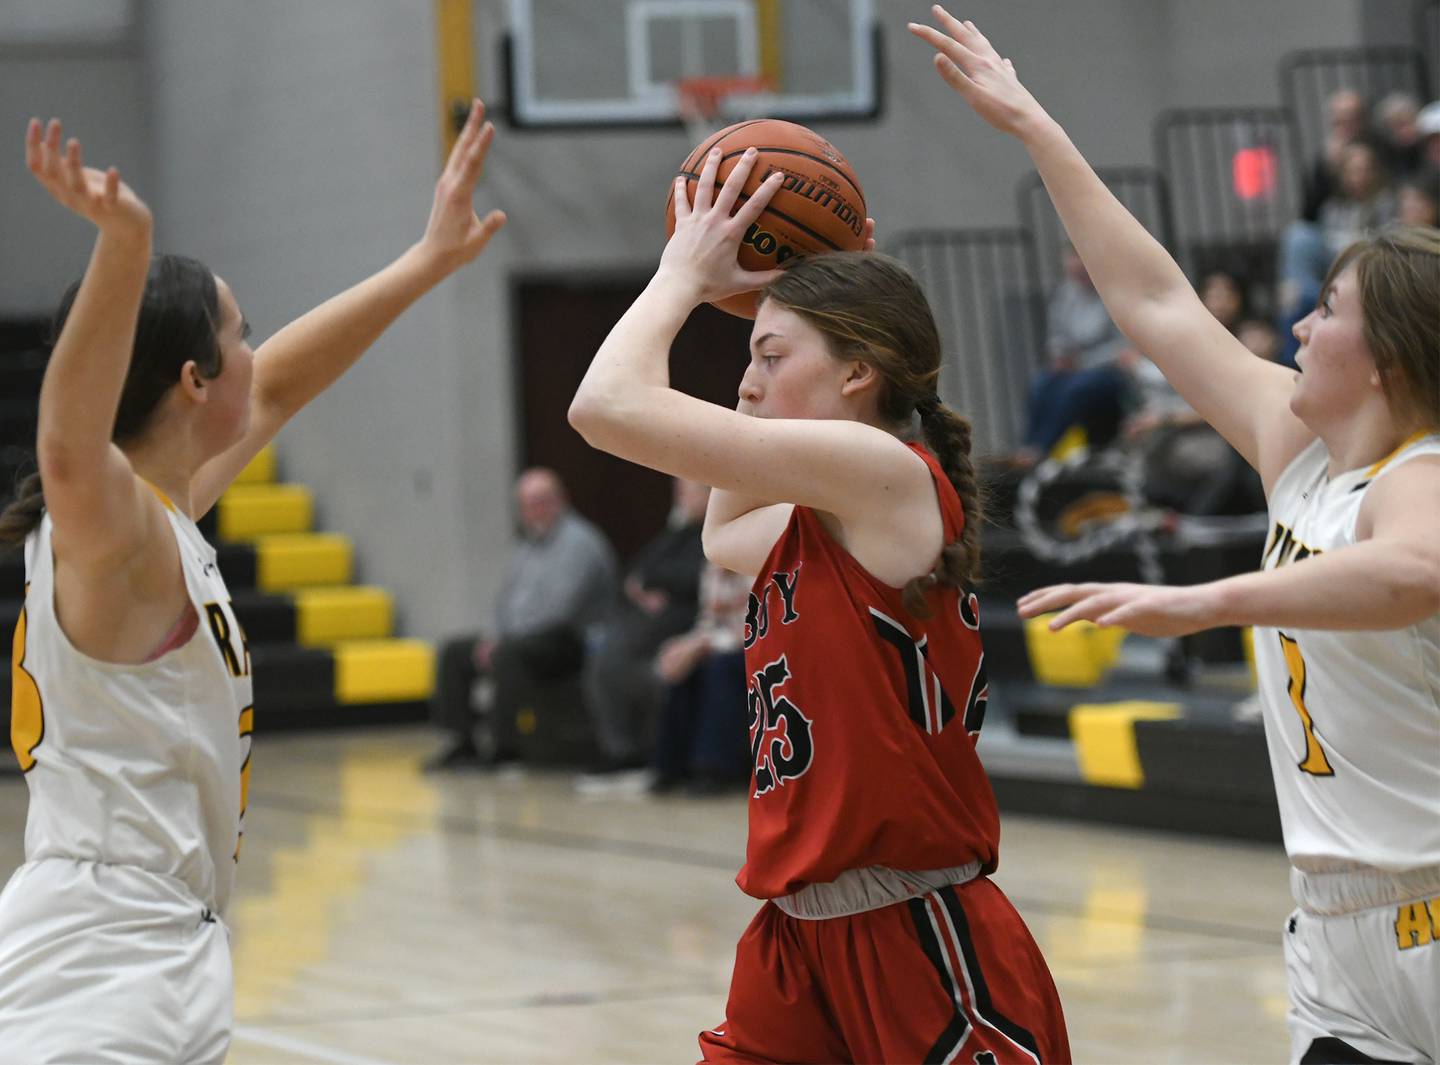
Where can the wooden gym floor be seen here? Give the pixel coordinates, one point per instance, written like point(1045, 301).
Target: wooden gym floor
point(384, 915)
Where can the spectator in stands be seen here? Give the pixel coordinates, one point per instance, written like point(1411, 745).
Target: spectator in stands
point(1189, 466)
point(1345, 112)
point(1397, 135)
point(559, 585)
point(661, 597)
point(1084, 385)
point(1362, 203)
point(1225, 295)
point(702, 739)
point(1417, 198)
point(1259, 337)
point(1427, 124)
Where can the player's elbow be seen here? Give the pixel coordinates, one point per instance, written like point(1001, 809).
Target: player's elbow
point(588, 417)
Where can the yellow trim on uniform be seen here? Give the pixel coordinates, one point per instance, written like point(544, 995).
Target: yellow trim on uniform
point(455, 58)
point(1104, 735)
point(260, 470)
point(27, 709)
point(1416, 435)
point(1247, 644)
point(324, 616)
point(1077, 656)
point(164, 499)
point(295, 560)
point(384, 671)
point(251, 510)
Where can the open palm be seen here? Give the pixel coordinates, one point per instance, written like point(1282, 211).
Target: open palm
point(98, 196)
point(455, 233)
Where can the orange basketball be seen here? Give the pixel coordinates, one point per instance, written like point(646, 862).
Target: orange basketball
point(819, 208)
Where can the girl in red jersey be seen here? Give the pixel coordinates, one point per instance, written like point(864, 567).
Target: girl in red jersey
point(872, 825)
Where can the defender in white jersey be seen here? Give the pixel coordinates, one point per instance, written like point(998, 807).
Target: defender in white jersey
point(132, 710)
point(137, 776)
point(1347, 606)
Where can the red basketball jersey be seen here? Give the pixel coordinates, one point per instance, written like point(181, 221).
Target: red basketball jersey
point(863, 719)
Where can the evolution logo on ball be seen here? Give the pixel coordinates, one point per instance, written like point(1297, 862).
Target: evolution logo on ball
point(819, 208)
point(825, 193)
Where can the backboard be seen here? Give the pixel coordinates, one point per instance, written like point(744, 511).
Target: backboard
point(614, 63)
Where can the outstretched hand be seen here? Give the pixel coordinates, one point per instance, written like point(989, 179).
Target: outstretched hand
point(1146, 609)
point(97, 196)
point(970, 65)
point(455, 234)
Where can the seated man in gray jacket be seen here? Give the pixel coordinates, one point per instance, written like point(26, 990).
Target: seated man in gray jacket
point(559, 585)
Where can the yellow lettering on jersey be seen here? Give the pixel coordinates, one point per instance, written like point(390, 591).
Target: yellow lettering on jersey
point(220, 629)
point(247, 727)
point(1417, 924)
point(1314, 761)
point(27, 712)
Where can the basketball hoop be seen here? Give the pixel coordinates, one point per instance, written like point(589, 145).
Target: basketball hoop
point(702, 99)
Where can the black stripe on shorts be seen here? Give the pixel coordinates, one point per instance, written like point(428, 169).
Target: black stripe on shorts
point(959, 1026)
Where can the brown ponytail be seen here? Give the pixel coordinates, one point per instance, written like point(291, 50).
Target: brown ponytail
point(23, 513)
point(947, 435)
point(870, 307)
point(178, 315)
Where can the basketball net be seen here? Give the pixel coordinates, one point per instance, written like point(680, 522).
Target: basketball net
point(703, 99)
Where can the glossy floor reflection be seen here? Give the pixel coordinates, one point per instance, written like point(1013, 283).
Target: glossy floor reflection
point(388, 916)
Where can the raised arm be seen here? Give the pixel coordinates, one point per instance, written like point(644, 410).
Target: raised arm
point(308, 355)
point(102, 513)
point(1147, 294)
point(625, 404)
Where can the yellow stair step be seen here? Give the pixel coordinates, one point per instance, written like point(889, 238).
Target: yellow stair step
point(1104, 735)
point(327, 615)
point(251, 510)
point(1078, 656)
point(261, 469)
point(383, 671)
point(287, 561)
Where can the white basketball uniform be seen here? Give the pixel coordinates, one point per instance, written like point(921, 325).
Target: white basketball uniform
point(112, 941)
point(1352, 721)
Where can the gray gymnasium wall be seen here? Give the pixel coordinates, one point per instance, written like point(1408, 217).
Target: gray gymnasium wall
point(99, 90)
point(293, 146)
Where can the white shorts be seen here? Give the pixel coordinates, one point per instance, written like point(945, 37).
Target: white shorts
point(109, 963)
point(1367, 981)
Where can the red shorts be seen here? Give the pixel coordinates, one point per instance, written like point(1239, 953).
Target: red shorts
point(952, 976)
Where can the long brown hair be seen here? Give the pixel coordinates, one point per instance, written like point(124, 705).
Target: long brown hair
point(1397, 272)
point(870, 307)
point(178, 316)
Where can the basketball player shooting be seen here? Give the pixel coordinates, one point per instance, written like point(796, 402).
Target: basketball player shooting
point(1347, 643)
point(872, 825)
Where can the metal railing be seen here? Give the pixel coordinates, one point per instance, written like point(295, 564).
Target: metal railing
point(989, 307)
point(1141, 189)
point(1232, 174)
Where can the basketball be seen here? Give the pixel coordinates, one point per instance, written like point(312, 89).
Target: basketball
point(819, 208)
